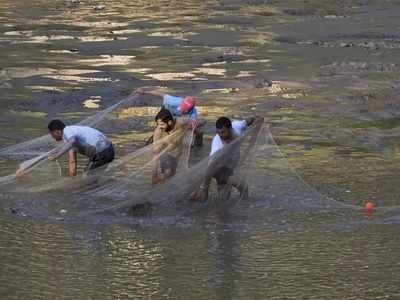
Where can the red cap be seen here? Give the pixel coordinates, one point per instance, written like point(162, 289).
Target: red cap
point(187, 104)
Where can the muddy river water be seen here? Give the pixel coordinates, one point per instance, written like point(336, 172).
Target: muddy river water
point(323, 74)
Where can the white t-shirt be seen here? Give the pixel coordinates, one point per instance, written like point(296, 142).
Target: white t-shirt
point(217, 143)
point(86, 136)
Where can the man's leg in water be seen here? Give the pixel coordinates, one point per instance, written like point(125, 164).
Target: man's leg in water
point(224, 192)
point(240, 185)
point(226, 179)
point(224, 187)
point(72, 162)
point(168, 166)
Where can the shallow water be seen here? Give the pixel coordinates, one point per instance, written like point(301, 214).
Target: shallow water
point(323, 74)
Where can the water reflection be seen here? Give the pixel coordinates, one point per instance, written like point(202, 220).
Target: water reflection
point(224, 245)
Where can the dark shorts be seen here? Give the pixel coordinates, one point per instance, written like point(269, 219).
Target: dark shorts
point(104, 157)
point(168, 163)
point(222, 175)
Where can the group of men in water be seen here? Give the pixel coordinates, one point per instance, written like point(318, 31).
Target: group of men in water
point(177, 113)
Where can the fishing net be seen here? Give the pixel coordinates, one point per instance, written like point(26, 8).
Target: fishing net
point(251, 171)
point(127, 184)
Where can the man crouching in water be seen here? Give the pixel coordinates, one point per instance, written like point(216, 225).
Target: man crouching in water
point(167, 144)
point(221, 167)
point(83, 139)
point(167, 139)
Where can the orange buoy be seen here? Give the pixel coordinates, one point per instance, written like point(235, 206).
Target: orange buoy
point(369, 205)
point(369, 208)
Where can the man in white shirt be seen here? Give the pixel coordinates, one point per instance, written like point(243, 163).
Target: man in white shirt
point(227, 131)
point(222, 164)
point(83, 139)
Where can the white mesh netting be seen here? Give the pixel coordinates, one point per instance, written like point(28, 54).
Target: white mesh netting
point(126, 184)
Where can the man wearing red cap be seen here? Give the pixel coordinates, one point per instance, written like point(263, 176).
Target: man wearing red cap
point(181, 107)
point(178, 106)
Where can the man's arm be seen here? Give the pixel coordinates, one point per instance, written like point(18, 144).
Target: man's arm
point(72, 163)
point(196, 123)
point(250, 121)
point(202, 193)
point(185, 122)
point(204, 188)
point(67, 146)
point(182, 125)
